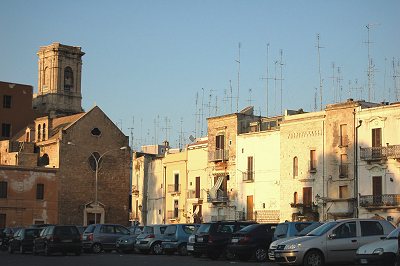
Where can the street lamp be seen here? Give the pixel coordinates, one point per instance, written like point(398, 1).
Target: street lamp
point(97, 164)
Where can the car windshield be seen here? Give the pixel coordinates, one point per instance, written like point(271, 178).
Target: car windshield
point(90, 229)
point(394, 234)
point(148, 230)
point(248, 228)
point(319, 231)
point(204, 228)
point(308, 229)
point(281, 230)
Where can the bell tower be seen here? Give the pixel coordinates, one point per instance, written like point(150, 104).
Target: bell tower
point(59, 80)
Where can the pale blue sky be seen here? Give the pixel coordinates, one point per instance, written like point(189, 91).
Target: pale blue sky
point(148, 59)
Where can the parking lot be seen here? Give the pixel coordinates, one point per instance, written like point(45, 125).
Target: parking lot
point(113, 258)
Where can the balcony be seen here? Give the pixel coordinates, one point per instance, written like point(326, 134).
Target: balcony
point(220, 197)
point(174, 189)
point(192, 197)
point(386, 201)
point(174, 215)
point(218, 155)
point(380, 153)
point(216, 218)
point(248, 176)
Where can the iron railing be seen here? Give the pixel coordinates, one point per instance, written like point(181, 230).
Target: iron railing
point(380, 153)
point(218, 155)
point(174, 188)
point(221, 196)
point(248, 176)
point(389, 200)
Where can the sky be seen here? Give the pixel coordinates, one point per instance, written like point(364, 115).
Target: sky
point(159, 68)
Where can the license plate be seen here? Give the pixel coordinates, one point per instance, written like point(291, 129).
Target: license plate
point(138, 242)
point(66, 240)
point(235, 240)
point(190, 248)
point(199, 239)
point(277, 255)
point(363, 261)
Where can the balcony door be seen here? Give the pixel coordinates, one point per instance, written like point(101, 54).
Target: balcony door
point(376, 142)
point(197, 191)
point(377, 190)
point(307, 196)
point(250, 207)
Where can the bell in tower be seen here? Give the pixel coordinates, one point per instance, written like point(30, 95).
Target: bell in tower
point(59, 80)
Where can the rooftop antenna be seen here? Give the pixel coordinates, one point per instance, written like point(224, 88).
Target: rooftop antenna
point(370, 71)
point(209, 103)
point(225, 100)
point(156, 126)
point(202, 111)
point(357, 89)
point(275, 80)
point(395, 79)
point(181, 136)
point(230, 86)
point(131, 129)
point(333, 82)
point(319, 69)
point(196, 118)
point(281, 78)
point(250, 91)
point(167, 127)
point(315, 99)
point(339, 83)
point(238, 78)
point(267, 78)
point(216, 105)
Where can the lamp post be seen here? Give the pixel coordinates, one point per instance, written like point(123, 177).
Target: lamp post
point(97, 165)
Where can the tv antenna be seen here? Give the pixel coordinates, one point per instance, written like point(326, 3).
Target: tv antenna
point(238, 81)
point(371, 66)
point(267, 78)
point(319, 69)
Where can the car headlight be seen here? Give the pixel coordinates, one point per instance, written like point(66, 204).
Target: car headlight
point(378, 251)
point(292, 246)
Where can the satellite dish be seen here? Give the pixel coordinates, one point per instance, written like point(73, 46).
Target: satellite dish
point(192, 139)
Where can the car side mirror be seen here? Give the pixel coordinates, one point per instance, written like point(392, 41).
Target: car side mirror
point(332, 236)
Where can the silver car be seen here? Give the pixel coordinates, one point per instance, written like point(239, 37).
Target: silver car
point(332, 242)
point(149, 241)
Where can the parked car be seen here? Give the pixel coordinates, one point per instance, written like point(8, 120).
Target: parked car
point(191, 240)
point(99, 237)
point(126, 244)
point(58, 238)
point(8, 233)
point(212, 238)
point(303, 232)
point(288, 229)
point(149, 241)
point(333, 242)
point(22, 240)
point(176, 237)
point(252, 241)
point(381, 252)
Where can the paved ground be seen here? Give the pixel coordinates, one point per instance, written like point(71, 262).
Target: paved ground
point(113, 259)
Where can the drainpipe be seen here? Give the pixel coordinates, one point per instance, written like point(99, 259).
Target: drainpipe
point(164, 194)
point(356, 164)
point(323, 169)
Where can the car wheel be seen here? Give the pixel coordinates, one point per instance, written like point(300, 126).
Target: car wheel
point(21, 249)
point(261, 254)
point(156, 248)
point(182, 250)
point(10, 250)
point(313, 258)
point(47, 251)
point(96, 248)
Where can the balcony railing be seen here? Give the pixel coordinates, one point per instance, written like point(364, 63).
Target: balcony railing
point(248, 176)
point(221, 196)
point(386, 200)
point(191, 194)
point(343, 170)
point(174, 188)
point(218, 155)
point(380, 153)
point(216, 218)
point(173, 214)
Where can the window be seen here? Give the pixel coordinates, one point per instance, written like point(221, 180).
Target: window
point(371, 228)
point(176, 183)
point(2, 220)
point(96, 132)
point(307, 196)
point(376, 143)
point(6, 101)
point(44, 132)
point(295, 167)
point(343, 192)
point(343, 170)
point(94, 160)
point(220, 142)
point(295, 198)
point(176, 208)
point(107, 229)
point(345, 230)
point(343, 135)
point(38, 132)
point(3, 189)
point(197, 187)
point(377, 190)
point(313, 161)
point(5, 130)
point(40, 191)
point(250, 168)
point(68, 79)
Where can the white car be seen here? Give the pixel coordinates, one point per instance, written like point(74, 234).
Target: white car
point(382, 252)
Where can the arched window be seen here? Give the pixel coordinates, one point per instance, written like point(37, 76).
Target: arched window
point(93, 158)
point(44, 160)
point(295, 167)
point(38, 132)
point(44, 132)
point(68, 79)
